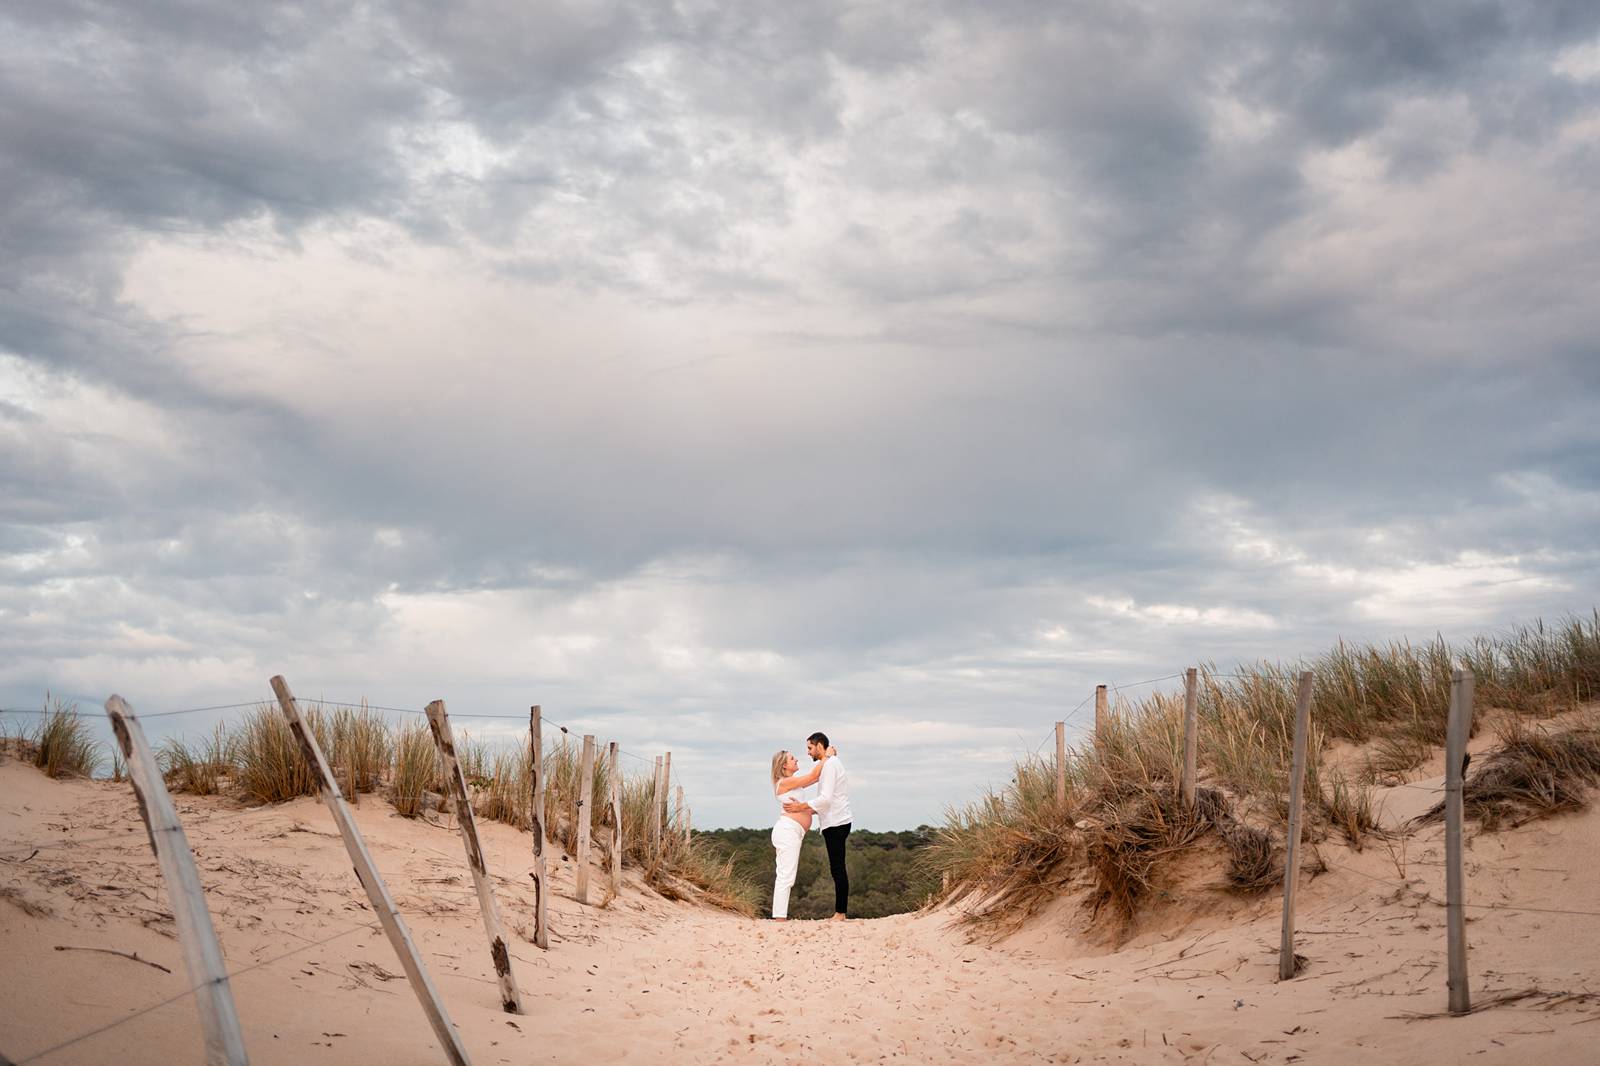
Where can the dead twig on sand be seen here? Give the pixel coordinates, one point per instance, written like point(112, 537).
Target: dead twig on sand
point(1550, 1001)
point(134, 955)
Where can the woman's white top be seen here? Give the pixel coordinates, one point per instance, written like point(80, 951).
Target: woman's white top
point(786, 797)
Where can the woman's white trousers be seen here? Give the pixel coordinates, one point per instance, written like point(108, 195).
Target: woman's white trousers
point(786, 838)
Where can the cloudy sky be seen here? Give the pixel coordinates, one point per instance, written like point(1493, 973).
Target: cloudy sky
point(710, 373)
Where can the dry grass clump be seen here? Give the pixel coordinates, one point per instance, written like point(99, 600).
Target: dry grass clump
point(1347, 806)
point(269, 765)
point(1532, 775)
point(61, 745)
point(1127, 840)
point(506, 794)
point(198, 767)
point(1252, 866)
point(360, 748)
point(417, 770)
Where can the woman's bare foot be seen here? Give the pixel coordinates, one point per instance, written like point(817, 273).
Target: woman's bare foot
point(780, 919)
point(837, 918)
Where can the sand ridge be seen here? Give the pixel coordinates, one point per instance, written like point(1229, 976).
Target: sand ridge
point(644, 976)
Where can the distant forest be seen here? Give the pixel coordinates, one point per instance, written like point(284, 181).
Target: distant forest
point(885, 876)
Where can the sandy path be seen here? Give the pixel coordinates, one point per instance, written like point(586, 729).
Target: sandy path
point(645, 976)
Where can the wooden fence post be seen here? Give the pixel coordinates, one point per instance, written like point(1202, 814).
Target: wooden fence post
point(1100, 713)
point(688, 826)
point(1191, 733)
point(666, 790)
point(1462, 683)
point(585, 812)
point(202, 955)
point(1061, 764)
point(499, 953)
point(677, 813)
point(541, 907)
point(377, 893)
point(655, 811)
point(1291, 857)
point(616, 818)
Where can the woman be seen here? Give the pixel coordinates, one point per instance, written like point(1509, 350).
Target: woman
point(791, 828)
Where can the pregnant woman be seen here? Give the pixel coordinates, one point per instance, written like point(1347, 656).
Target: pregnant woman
point(791, 828)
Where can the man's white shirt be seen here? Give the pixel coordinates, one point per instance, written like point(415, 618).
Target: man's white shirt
point(832, 801)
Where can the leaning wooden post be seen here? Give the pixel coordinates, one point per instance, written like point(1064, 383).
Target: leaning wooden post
point(688, 826)
point(1291, 857)
point(202, 955)
point(541, 910)
point(1455, 757)
point(585, 811)
point(677, 811)
point(615, 776)
point(655, 811)
point(1191, 732)
point(1061, 764)
point(1100, 715)
point(439, 721)
point(377, 893)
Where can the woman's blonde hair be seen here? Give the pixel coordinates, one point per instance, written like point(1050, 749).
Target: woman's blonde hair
point(780, 762)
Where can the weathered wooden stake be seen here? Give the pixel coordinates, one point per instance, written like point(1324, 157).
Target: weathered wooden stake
point(1291, 857)
point(1191, 732)
point(678, 812)
point(1459, 728)
point(688, 826)
point(541, 907)
point(377, 893)
point(202, 955)
point(1061, 763)
point(615, 777)
point(1100, 714)
point(499, 953)
point(585, 809)
point(655, 810)
point(666, 790)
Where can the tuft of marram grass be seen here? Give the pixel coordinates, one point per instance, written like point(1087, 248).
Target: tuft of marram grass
point(62, 746)
point(417, 770)
point(198, 767)
point(269, 765)
point(360, 748)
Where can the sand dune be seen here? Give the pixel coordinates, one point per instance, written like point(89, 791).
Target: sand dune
point(1194, 982)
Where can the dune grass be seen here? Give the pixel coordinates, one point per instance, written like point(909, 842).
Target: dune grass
point(268, 766)
point(1533, 774)
point(198, 767)
point(417, 769)
point(60, 744)
point(1017, 847)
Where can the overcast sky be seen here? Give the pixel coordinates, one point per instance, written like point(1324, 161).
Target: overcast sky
point(711, 373)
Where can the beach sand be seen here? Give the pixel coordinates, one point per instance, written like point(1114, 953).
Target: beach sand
point(1194, 981)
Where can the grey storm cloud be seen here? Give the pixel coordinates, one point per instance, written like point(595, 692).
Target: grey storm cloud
point(727, 362)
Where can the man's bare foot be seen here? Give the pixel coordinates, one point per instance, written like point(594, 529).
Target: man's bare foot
point(837, 918)
point(780, 919)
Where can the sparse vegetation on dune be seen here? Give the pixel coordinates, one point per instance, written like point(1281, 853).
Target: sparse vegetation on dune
point(60, 744)
point(1005, 855)
point(256, 759)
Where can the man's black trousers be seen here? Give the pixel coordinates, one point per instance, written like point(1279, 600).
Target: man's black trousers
point(834, 837)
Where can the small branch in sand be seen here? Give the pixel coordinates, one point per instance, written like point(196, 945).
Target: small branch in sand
point(134, 955)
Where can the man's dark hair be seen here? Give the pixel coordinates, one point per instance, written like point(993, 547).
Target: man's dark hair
point(818, 738)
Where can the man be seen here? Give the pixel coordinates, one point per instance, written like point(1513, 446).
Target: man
point(832, 804)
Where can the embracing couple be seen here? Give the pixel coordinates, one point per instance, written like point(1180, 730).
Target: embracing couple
point(830, 807)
